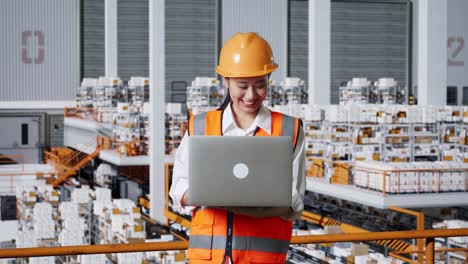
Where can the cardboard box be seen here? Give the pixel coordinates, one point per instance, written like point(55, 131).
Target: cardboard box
point(359, 249)
point(341, 173)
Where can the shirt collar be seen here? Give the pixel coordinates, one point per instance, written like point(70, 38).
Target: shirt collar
point(262, 120)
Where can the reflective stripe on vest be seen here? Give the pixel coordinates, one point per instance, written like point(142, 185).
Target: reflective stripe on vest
point(241, 243)
point(199, 124)
point(288, 127)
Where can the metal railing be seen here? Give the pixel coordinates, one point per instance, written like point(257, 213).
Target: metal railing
point(428, 235)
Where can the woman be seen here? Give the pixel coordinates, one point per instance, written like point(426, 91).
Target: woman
point(242, 234)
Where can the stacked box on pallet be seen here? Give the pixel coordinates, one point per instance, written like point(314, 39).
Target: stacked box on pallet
point(294, 91)
point(104, 173)
point(26, 239)
point(119, 221)
point(401, 177)
point(135, 231)
point(42, 210)
point(68, 210)
point(44, 227)
point(42, 260)
point(102, 209)
point(73, 231)
point(125, 205)
point(103, 195)
point(365, 132)
point(410, 179)
point(296, 110)
point(172, 258)
point(315, 141)
point(103, 202)
point(361, 178)
point(357, 91)
point(130, 258)
point(81, 195)
point(427, 181)
point(176, 124)
point(71, 237)
point(427, 114)
point(48, 193)
point(126, 220)
point(363, 114)
point(92, 259)
point(451, 224)
point(336, 114)
point(450, 119)
point(449, 114)
point(339, 146)
point(26, 194)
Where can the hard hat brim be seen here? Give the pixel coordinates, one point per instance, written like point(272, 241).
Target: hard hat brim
point(220, 71)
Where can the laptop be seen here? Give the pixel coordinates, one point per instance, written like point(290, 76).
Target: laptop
point(240, 171)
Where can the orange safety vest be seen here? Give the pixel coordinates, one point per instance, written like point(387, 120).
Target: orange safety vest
point(217, 234)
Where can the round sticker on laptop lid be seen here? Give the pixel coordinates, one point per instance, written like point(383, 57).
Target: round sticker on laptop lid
point(240, 170)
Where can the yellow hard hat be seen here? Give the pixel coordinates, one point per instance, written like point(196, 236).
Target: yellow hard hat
point(246, 55)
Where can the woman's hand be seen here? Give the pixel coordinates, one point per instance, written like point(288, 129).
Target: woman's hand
point(258, 212)
point(184, 201)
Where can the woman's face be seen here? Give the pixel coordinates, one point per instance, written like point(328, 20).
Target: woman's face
point(247, 94)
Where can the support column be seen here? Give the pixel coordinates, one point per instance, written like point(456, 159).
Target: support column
point(429, 250)
point(157, 103)
point(319, 52)
point(432, 52)
point(110, 38)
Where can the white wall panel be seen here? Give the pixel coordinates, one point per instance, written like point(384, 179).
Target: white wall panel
point(432, 52)
point(39, 50)
point(298, 42)
point(457, 43)
point(190, 34)
point(266, 17)
point(368, 39)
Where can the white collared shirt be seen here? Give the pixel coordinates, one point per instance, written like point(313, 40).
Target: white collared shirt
point(230, 128)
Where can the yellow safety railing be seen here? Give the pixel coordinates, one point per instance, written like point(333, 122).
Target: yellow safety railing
point(419, 226)
point(428, 235)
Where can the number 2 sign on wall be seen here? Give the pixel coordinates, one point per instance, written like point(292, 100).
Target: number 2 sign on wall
point(28, 36)
point(455, 46)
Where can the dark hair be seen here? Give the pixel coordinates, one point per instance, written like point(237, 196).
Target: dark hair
point(226, 102)
point(227, 99)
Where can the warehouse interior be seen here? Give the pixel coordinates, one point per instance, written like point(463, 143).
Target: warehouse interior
point(97, 94)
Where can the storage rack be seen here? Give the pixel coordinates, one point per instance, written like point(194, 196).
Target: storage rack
point(275, 95)
point(388, 91)
point(315, 147)
point(294, 91)
point(396, 143)
point(138, 92)
point(367, 141)
point(176, 125)
point(85, 98)
point(357, 91)
point(425, 142)
point(127, 130)
point(205, 92)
